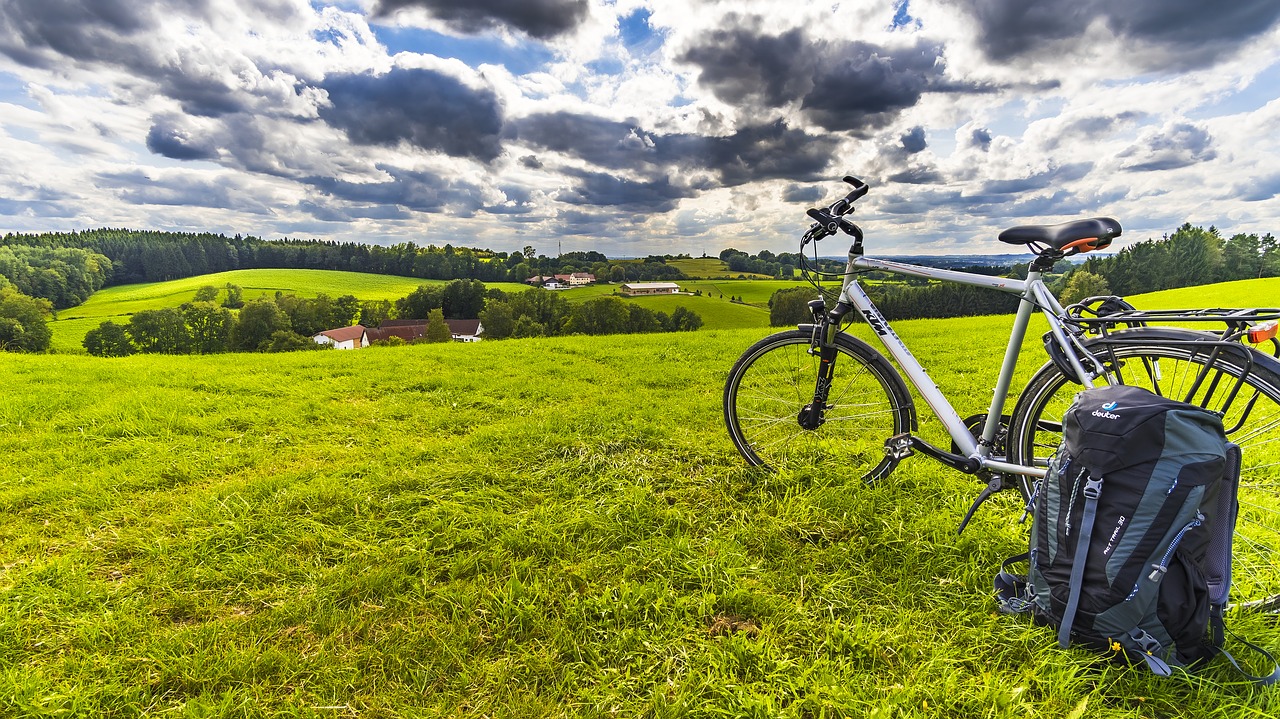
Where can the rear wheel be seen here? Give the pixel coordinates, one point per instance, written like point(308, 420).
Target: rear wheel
point(1240, 383)
point(773, 382)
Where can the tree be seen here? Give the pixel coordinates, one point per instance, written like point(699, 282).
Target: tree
point(108, 340)
point(437, 329)
point(235, 297)
point(209, 326)
point(1083, 284)
point(374, 312)
point(27, 328)
point(601, 316)
point(417, 305)
point(462, 299)
point(526, 326)
point(497, 319)
point(790, 306)
point(685, 320)
point(161, 331)
point(290, 341)
point(258, 321)
point(207, 293)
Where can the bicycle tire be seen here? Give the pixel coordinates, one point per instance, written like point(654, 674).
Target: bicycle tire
point(1167, 361)
point(774, 380)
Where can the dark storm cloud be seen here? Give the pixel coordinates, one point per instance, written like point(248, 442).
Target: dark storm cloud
point(840, 85)
point(914, 141)
point(543, 19)
point(424, 108)
point(411, 190)
point(172, 142)
point(803, 194)
point(1176, 145)
point(771, 151)
point(743, 66)
point(980, 138)
point(1200, 32)
point(602, 189)
point(36, 32)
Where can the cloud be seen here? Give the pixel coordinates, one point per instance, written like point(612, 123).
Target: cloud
point(914, 141)
point(1177, 144)
point(770, 151)
point(543, 19)
point(803, 194)
point(598, 188)
point(1190, 33)
point(184, 190)
point(841, 85)
point(164, 138)
point(414, 190)
point(421, 107)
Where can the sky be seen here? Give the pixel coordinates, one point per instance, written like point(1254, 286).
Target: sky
point(637, 127)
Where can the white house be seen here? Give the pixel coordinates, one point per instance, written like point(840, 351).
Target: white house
point(343, 338)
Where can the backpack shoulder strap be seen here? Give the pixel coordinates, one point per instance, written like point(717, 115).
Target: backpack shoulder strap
point(1092, 490)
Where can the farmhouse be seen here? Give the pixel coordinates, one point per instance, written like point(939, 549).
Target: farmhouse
point(343, 338)
point(576, 279)
point(411, 330)
point(633, 289)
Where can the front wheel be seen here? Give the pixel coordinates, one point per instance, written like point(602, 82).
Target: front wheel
point(768, 406)
point(1241, 384)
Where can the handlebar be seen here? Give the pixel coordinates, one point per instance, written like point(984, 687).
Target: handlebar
point(829, 219)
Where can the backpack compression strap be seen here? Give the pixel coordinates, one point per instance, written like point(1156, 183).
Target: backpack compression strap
point(1092, 490)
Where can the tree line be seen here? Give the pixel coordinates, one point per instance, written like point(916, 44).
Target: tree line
point(1190, 256)
point(65, 276)
point(287, 322)
point(133, 256)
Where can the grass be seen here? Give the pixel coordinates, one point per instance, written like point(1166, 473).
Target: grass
point(709, 268)
point(118, 303)
point(402, 532)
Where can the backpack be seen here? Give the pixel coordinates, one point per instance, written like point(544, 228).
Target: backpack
point(1130, 548)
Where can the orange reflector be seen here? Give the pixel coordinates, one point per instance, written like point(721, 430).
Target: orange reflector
point(1263, 332)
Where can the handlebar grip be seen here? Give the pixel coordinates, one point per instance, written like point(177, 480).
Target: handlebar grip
point(859, 188)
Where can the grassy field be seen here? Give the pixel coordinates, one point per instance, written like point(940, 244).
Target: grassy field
point(709, 268)
point(117, 303)
point(399, 533)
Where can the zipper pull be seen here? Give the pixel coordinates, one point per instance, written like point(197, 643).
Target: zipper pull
point(1156, 572)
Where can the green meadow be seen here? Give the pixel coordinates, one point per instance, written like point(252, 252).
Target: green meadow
point(529, 528)
point(117, 303)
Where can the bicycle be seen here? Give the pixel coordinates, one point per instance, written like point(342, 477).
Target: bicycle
point(817, 394)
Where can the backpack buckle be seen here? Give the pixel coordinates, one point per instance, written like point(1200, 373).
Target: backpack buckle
point(1093, 488)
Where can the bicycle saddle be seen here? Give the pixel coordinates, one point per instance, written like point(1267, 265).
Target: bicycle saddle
point(1080, 235)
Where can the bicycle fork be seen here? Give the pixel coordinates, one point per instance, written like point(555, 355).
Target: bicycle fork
point(823, 345)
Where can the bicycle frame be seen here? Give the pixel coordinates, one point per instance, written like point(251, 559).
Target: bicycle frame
point(1032, 293)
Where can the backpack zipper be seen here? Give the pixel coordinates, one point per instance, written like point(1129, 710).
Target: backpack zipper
point(1157, 570)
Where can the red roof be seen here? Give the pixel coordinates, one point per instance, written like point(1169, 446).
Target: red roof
point(345, 334)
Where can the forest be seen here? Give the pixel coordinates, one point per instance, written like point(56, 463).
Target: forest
point(134, 256)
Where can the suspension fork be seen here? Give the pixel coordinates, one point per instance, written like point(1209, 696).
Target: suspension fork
point(823, 346)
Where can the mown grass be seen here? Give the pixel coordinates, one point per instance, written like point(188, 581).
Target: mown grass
point(553, 527)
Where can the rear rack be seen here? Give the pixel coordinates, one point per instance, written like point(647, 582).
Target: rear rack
point(1100, 315)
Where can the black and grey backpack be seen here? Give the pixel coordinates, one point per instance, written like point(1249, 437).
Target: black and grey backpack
point(1130, 549)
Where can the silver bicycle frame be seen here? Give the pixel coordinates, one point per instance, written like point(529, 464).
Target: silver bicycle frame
point(1033, 295)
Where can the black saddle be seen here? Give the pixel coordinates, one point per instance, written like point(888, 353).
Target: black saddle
point(1068, 237)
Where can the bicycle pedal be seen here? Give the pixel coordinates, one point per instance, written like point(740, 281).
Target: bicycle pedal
point(899, 446)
